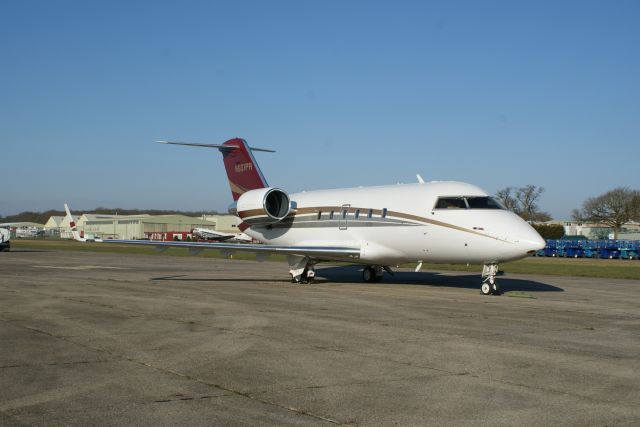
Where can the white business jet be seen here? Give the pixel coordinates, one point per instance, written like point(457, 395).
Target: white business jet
point(377, 227)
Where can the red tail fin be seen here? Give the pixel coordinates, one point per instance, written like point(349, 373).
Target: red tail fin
point(242, 170)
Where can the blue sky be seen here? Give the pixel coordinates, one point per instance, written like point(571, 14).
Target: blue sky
point(496, 93)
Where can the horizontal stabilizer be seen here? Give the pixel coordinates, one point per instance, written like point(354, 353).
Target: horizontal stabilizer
point(218, 146)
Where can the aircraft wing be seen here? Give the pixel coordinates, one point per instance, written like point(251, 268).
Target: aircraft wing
point(261, 251)
point(328, 252)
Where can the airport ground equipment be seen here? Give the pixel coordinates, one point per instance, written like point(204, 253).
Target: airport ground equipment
point(551, 248)
point(629, 249)
point(573, 249)
point(5, 243)
point(602, 249)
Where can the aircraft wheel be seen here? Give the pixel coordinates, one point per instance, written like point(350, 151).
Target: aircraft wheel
point(485, 289)
point(299, 279)
point(368, 274)
point(311, 276)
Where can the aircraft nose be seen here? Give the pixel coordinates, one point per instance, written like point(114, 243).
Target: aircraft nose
point(532, 241)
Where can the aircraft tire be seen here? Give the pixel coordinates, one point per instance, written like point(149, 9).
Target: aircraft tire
point(485, 289)
point(368, 274)
point(311, 277)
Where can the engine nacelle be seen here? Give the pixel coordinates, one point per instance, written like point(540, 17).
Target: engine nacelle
point(263, 206)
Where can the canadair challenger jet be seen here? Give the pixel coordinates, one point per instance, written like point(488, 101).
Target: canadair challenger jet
point(377, 227)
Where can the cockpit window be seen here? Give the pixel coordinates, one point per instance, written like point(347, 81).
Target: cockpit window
point(468, 202)
point(451, 203)
point(483, 203)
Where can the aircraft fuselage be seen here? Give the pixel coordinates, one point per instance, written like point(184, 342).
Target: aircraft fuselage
point(401, 223)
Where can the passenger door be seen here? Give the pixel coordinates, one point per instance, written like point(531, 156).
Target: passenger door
point(344, 217)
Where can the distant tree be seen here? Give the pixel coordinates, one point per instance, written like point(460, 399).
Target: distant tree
point(524, 202)
point(614, 208)
point(507, 198)
point(527, 197)
point(550, 231)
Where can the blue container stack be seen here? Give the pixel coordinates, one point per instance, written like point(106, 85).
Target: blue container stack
point(604, 249)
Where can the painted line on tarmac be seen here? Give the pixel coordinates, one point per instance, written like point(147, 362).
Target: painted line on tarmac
point(80, 267)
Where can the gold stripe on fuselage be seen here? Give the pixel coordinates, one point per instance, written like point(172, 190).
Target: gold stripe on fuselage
point(377, 213)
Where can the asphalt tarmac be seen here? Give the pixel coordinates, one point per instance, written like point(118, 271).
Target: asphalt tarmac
point(110, 339)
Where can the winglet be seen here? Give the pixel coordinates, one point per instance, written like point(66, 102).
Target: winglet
point(420, 180)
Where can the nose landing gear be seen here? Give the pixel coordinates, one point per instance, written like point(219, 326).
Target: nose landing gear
point(489, 284)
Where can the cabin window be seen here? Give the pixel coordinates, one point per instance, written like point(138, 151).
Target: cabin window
point(384, 213)
point(319, 214)
point(370, 213)
point(331, 215)
point(357, 215)
point(483, 203)
point(344, 214)
point(451, 203)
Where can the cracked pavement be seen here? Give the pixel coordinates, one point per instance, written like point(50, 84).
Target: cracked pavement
point(112, 339)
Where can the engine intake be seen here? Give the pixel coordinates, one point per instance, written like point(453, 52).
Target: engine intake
point(263, 206)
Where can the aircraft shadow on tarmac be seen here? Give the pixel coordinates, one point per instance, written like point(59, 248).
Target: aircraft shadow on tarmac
point(187, 278)
point(353, 274)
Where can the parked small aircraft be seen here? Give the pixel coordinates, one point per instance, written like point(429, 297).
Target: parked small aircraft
point(377, 227)
point(219, 236)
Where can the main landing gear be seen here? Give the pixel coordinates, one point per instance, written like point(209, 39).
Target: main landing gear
point(372, 273)
point(489, 284)
point(301, 269)
point(307, 276)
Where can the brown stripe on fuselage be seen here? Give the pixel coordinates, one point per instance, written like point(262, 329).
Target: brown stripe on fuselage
point(364, 214)
point(251, 212)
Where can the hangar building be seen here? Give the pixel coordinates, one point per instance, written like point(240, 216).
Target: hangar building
point(156, 227)
point(224, 222)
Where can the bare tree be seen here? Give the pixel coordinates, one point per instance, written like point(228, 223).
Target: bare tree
point(507, 198)
point(527, 197)
point(577, 215)
point(613, 208)
point(524, 202)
